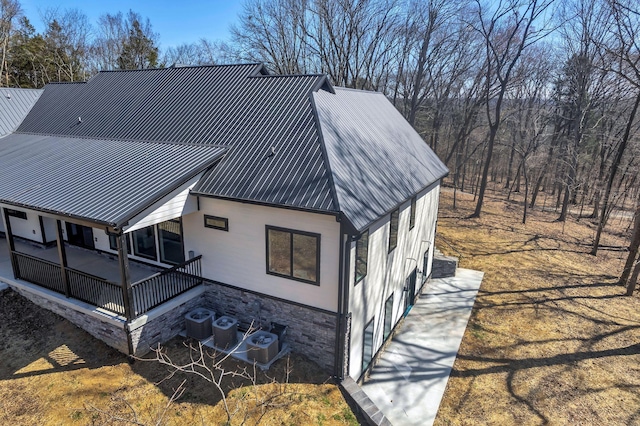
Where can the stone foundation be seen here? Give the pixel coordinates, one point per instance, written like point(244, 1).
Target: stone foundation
point(311, 332)
point(444, 266)
point(148, 333)
point(109, 330)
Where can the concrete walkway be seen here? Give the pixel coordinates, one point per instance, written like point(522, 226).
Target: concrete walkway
point(409, 380)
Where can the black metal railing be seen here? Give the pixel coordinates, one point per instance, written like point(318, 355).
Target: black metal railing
point(82, 286)
point(95, 291)
point(165, 285)
point(147, 294)
point(38, 271)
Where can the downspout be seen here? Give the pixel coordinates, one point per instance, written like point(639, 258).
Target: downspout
point(343, 302)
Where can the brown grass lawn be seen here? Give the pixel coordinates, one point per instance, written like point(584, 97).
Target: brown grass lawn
point(52, 373)
point(552, 339)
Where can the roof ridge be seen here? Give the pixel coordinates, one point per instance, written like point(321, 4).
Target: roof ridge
point(183, 67)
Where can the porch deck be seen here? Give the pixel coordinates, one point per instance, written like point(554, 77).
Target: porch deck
point(100, 265)
point(94, 278)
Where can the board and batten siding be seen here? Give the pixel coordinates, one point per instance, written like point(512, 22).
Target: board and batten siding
point(238, 256)
point(388, 271)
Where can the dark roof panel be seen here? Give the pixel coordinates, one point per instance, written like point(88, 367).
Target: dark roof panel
point(236, 106)
point(100, 180)
point(377, 159)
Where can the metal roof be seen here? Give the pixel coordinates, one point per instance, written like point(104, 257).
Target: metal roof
point(100, 180)
point(14, 106)
point(290, 141)
point(377, 159)
point(234, 105)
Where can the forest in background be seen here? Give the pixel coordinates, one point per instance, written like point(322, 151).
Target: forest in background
point(532, 96)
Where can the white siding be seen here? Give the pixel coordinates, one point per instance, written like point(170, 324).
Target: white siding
point(238, 257)
point(387, 272)
point(28, 228)
point(174, 205)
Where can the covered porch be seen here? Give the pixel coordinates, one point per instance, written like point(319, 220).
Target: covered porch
point(95, 278)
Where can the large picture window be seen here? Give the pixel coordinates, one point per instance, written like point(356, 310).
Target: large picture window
point(293, 254)
point(144, 242)
point(393, 229)
point(362, 255)
point(170, 238)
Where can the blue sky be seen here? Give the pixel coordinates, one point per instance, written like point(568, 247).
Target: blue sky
point(176, 21)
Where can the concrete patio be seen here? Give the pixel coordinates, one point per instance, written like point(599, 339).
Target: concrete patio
point(409, 380)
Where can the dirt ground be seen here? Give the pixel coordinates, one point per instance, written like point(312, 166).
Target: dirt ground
point(552, 338)
point(52, 373)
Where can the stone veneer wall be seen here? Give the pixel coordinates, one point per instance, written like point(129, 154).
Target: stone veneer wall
point(162, 328)
point(311, 332)
point(111, 332)
point(444, 266)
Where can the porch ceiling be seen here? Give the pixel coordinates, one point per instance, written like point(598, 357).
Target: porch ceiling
point(106, 182)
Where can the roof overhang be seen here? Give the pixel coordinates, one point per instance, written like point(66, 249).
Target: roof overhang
point(101, 181)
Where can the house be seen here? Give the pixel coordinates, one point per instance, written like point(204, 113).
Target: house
point(133, 198)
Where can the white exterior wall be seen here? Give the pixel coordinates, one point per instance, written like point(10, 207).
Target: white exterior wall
point(172, 206)
point(28, 228)
point(238, 257)
point(387, 272)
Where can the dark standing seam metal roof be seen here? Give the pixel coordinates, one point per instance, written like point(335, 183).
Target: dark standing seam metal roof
point(377, 159)
point(14, 106)
point(290, 141)
point(103, 181)
point(234, 106)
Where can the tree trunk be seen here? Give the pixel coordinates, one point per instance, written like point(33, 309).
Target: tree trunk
point(633, 248)
point(612, 175)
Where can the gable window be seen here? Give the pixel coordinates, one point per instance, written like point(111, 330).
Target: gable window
point(170, 238)
point(293, 254)
point(367, 345)
point(144, 242)
point(388, 314)
point(393, 229)
point(362, 255)
point(216, 222)
point(412, 215)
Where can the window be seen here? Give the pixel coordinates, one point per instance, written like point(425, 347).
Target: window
point(412, 215)
point(170, 239)
point(293, 254)
point(362, 255)
point(144, 242)
point(113, 243)
point(215, 222)
point(388, 314)
point(367, 345)
point(16, 213)
point(393, 229)
point(425, 265)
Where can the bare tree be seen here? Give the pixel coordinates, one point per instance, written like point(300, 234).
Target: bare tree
point(625, 48)
point(10, 11)
point(508, 28)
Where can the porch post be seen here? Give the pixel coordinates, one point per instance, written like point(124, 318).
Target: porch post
point(62, 254)
point(123, 260)
point(12, 246)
